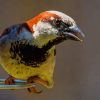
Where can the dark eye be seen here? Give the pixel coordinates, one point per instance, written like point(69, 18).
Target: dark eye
point(57, 23)
point(69, 24)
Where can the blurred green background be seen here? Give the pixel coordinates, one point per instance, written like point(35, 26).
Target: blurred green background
point(77, 72)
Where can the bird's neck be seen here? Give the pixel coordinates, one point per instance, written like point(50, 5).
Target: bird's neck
point(42, 42)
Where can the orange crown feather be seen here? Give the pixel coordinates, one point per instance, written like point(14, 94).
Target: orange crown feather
point(45, 16)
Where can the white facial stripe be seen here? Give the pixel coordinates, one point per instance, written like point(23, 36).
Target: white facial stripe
point(43, 32)
point(42, 28)
point(52, 18)
point(63, 16)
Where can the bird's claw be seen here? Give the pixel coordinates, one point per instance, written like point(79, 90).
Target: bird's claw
point(9, 81)
point(34, 90)
point(36, 79)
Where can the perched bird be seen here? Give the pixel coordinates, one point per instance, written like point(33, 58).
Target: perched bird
point(27, 50)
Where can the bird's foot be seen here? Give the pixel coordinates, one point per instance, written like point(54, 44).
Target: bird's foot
point(9, 81)
point(34, 90)
point(36, 79)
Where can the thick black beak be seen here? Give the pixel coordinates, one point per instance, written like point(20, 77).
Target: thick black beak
point(74, 33)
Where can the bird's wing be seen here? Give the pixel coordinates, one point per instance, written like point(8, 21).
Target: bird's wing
point(13, 28)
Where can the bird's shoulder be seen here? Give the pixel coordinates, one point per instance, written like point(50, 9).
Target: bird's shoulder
point(16, 28)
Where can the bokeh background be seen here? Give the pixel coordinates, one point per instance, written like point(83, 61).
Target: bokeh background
point(77, 72)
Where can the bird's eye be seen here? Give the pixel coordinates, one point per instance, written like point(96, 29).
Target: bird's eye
point(57, 22)
point(69, 24)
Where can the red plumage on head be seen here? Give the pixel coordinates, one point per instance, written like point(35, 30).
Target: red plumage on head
point(45, 16)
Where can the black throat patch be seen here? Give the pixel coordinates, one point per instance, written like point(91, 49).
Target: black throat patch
point(27, 54)
point(31, 55)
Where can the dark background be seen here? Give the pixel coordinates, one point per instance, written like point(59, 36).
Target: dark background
point(77, 72)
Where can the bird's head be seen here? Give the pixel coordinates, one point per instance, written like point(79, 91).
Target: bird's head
point(54, 25)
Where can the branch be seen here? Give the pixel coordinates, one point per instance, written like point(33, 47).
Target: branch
point(19, 84)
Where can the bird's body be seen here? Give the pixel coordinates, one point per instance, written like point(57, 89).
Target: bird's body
point(28, 49)
point(22, 59)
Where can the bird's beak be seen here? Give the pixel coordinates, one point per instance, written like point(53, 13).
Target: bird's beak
point(75, 34)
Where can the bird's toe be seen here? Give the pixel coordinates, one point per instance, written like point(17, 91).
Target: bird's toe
point(9, 80)
point(34, 90)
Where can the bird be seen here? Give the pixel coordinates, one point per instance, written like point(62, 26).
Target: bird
point(28, 49)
